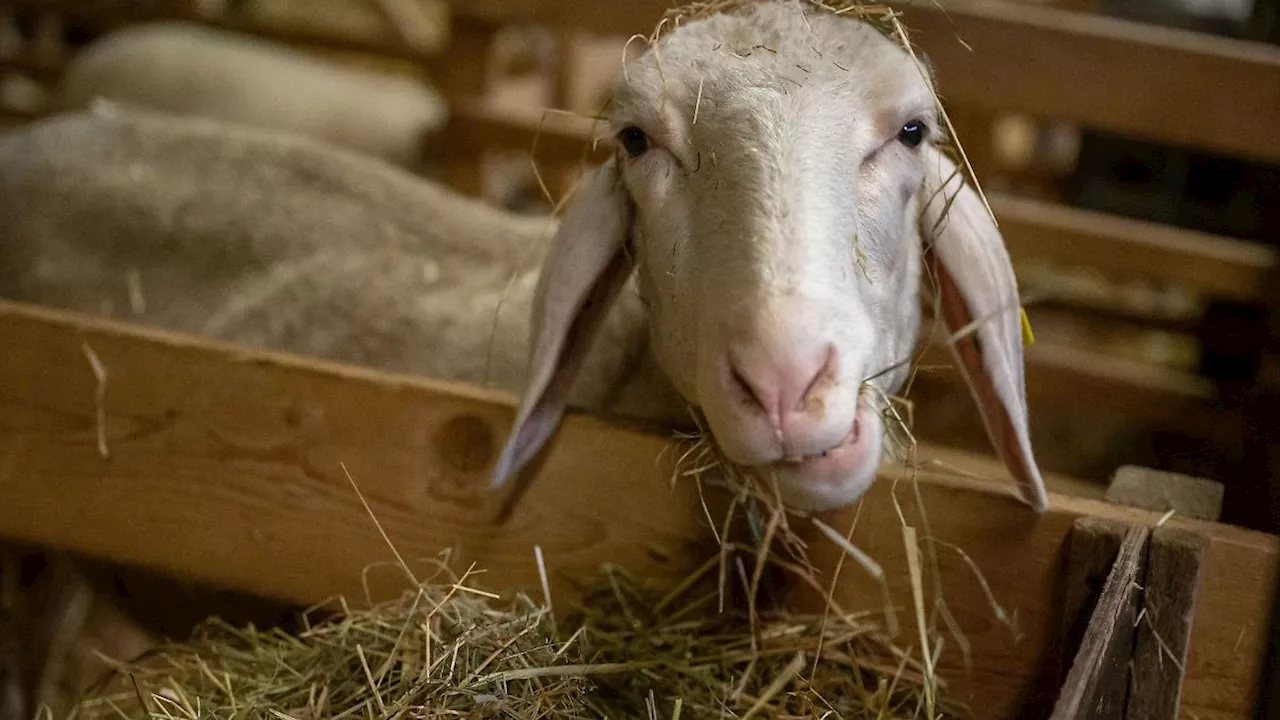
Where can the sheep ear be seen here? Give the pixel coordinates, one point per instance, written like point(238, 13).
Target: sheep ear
point(978, 298)
point(583, 271)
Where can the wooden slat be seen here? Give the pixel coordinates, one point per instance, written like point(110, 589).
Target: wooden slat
point(1097, 687)
point(225, 466)
point(1156, 83)
point(1091, 553)
point(1126, 249)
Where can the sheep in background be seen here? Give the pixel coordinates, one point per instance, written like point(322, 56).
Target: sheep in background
point(277, 241)
point(187, 68)
point(762, 264)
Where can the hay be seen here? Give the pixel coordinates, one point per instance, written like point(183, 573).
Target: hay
point(444, 651)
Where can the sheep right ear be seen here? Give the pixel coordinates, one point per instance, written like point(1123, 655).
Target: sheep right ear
point(584, 269)
point(979, 303)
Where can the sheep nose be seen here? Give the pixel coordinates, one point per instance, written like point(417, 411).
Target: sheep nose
point(786, 382)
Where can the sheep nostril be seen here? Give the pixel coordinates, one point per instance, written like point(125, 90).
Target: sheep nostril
point(747, 390)
point(818, 385)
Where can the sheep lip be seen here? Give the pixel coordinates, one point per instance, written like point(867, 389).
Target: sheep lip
point(850, 440)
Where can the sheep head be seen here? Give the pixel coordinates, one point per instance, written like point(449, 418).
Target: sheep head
point(775, 192)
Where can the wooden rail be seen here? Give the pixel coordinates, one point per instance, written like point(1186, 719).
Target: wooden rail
point(225, 465)
point(1098, 71)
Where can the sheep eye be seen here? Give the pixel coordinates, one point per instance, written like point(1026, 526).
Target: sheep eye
point(633, 140)
point(911, 134)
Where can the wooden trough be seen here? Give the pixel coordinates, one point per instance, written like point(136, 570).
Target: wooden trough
point(225, 465)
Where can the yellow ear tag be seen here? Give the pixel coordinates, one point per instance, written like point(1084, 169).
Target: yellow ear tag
point(1028, 337)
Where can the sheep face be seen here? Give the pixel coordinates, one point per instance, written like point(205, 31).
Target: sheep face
point(771, 170)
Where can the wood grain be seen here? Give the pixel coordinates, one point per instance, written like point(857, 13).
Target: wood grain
point(1097, 687)
point(1175, 559)
point(225, 466)
point(1092, 549)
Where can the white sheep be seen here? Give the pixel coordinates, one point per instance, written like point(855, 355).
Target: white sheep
point(753, 249)
point(776, 185)
point(188, 68)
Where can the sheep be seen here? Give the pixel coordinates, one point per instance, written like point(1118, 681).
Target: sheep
point(184, 67)
point(776, 192)
point(277, 241)
point(753, 249)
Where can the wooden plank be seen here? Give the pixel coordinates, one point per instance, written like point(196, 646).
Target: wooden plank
point(1059, 374)
point(225, 466)
point(1126, 249)
point(1175, 559)
point(1102, 72)
point(1000, 55)
point(1097, 688)
point(1092, 549)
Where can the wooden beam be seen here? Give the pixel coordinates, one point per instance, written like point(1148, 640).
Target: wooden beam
point(1097, 687)
point(224, 464)
point(1092, 549)
point(1160, 84)
point(1125, 249)
point(1060, 375)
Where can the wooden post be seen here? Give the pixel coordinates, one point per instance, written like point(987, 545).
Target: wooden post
point(467, 80)
point(1093, 546)
point(1097, 686)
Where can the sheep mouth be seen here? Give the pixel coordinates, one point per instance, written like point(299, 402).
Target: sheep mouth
point(861, 419)
point(838, 476)
point(855, 433)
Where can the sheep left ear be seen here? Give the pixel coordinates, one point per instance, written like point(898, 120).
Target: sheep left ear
point(584, 269)
point(978, 298)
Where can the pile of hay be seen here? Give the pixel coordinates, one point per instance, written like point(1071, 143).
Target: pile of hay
point(451, 651)
point(712, 646)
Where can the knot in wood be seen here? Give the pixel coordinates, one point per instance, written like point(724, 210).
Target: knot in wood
point(466, 443)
